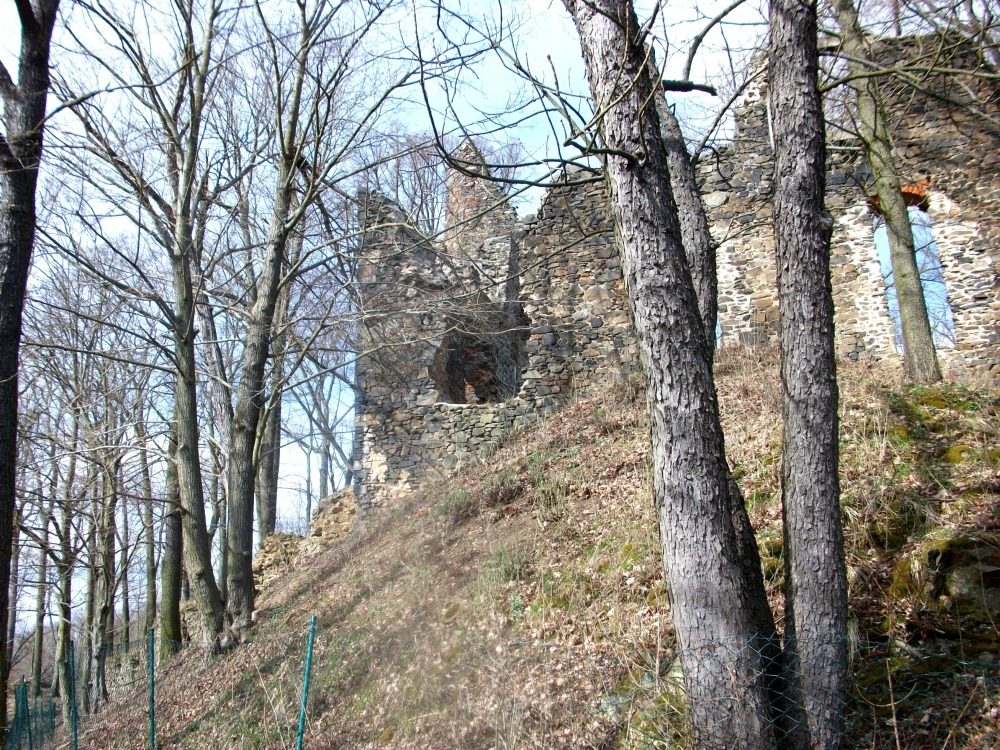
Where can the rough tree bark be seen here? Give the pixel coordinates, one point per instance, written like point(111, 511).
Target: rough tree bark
point(15, 573)
point(24, 103)
point(267, 471)
point(714, 612)
point(41, 596)
point(815, 572)
point(103, 563)
point(269, 449)
point(172, 564)
point(695, 236)
point(148, 532)
point(920, 363)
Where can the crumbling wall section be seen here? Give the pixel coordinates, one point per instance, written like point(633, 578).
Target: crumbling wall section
point(501, 322)
point(946, 134)
point(577, 336)
point(736, 183)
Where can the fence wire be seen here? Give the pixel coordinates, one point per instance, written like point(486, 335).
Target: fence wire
point(899, 696)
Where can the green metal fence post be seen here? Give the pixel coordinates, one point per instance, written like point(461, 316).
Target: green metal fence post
point(74, 718)
point(305, 682)
point(26, 713)
point(152, 691)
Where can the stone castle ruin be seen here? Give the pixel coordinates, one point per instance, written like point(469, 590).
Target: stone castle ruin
point(496, 325)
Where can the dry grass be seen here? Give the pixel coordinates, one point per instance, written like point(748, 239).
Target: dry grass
point(522, 605)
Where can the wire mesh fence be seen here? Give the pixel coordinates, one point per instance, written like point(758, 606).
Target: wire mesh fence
point(115, 686)
point(899, 696)
point(33, 722)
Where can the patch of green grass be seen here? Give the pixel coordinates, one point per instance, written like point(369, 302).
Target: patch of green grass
point(457, 506)
point(501, 490)
point(506, 564)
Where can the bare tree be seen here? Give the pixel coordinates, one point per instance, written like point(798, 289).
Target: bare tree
point(919, 358)
point(24, 110)
point(816, 576)
point(714, 615)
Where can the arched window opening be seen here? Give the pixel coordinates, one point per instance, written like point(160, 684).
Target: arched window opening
point(477, 369)
point(939, 311)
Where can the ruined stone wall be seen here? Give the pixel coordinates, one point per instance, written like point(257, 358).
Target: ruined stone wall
point(736, 183)
point(577, 335)
point(543, 303)
point(946, 132)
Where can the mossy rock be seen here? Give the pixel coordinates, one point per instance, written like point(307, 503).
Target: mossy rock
point(943, 399)
point(957, 454)
point(652, 712)
point(933, 401)
point(893, 527)
point(771, 548)
point(951, 570)
point(898, 431)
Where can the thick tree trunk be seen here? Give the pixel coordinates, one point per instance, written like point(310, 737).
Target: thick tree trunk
point(695, 236)
point(172, 563)
point(715, 615)
point(197, 548)
point(20, 155)
point(15, 573)
point(103, 561)
point(920, 363)
point(270, 448)
point(250, 394)
point(267, 473)
point(123, 585)
point(83, 655)
point(249, 404)
point(64, 633)
point(815, 572)
point(324, 470)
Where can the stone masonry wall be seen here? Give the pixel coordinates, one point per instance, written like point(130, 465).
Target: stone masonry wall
point(498, 325)
point(736, 184)
point(577, 335)
point(946, 132)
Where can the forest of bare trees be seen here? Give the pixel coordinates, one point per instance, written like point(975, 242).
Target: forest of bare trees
point(190, 316)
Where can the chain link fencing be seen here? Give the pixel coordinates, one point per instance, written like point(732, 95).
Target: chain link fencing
point(900, 697)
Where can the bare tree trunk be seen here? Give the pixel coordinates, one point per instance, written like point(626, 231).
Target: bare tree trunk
point(173, 563)
point(920, 363)
point(64, 634)
point(309, 485)
point(324, 469)
point(148, 532)
point(270, 449)
point(41, 595)
point(267, 472)
point(714, 614)
point(20, 155)
point(103, 561)
point(87, 645)
point(256, 348)
point(695, 236)
point(64, 567)
point(123, 581)
point(197, 549)
point(816, 580)
point(15, 573)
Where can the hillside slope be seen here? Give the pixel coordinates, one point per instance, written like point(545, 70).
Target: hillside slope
point(521, 604)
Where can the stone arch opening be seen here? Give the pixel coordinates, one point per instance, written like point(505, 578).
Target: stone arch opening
point(476, 369)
